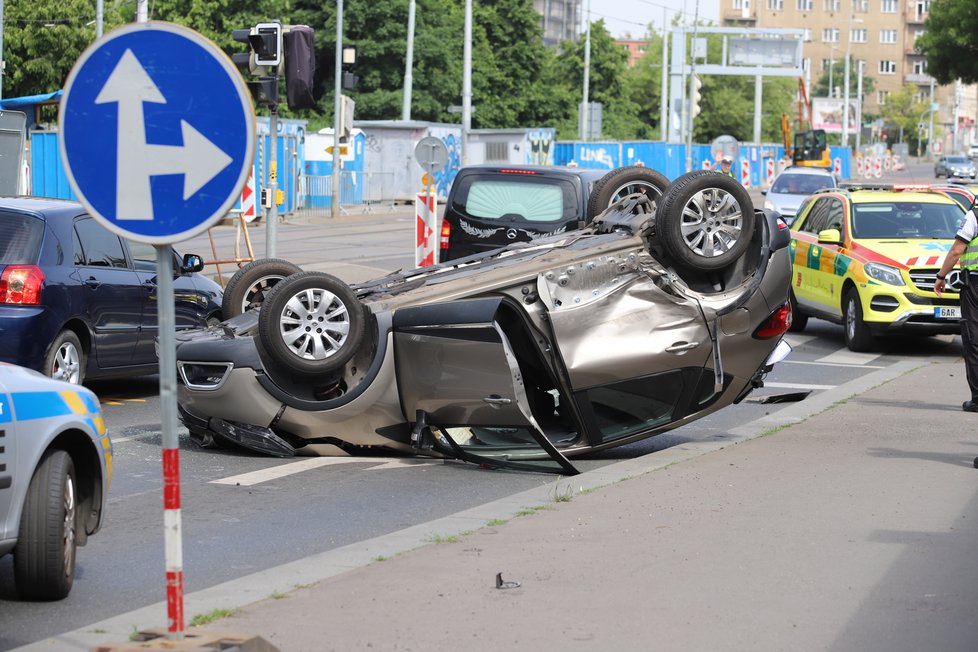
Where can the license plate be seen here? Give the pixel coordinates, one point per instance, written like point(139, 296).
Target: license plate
point(947, 312)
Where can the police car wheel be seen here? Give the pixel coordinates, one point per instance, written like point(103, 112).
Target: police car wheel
point(857, 334)
point(44, 556)
point(248, 287)
point(706, 220)
point(66, 359)
point(311, 323)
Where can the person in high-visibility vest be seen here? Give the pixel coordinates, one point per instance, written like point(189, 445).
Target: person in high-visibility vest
point(725, 164)
point(965, 250)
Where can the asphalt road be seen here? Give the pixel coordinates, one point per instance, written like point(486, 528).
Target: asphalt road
point(232, 528)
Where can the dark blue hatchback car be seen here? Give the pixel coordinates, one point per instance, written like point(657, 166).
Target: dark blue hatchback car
point(78, 302)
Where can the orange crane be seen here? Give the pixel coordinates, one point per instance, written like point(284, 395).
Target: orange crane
point(809, 146)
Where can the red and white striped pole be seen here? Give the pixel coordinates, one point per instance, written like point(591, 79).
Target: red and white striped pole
point(173, 541)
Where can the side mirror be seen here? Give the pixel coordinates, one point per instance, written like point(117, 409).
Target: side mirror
point(764, 192)
point(830, 236)
point(192, 263)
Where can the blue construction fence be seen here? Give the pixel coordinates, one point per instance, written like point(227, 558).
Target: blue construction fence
point(754, 164)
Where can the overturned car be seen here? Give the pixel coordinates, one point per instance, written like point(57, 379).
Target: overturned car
point(664, 309)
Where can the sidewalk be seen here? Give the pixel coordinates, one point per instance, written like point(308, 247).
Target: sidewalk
point(845, 522)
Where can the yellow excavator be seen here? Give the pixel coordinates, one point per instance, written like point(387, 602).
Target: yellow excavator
point(809, 146)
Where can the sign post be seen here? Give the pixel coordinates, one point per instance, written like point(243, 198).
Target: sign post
point(431, 154)
point(158, 139)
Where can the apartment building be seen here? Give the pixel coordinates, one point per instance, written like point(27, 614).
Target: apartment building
point(560, 19)
point(881, 37)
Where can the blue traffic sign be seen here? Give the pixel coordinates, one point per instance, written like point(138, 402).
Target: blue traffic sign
point(157, 132)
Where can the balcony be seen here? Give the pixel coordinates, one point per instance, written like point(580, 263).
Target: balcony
point(917, 78)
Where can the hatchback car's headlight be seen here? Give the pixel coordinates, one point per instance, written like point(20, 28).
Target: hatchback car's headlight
point(768, 204)
point(884, 273)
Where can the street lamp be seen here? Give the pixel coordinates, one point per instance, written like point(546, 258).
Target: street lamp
point(845, 101)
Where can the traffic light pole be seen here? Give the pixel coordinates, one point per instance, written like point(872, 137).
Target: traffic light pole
point(271, 226)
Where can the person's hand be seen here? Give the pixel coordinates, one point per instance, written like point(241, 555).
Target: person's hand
point(939, 286)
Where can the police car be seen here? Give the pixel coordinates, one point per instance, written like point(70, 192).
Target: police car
point(55, 470)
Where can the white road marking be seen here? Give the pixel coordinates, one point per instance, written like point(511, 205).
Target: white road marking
point(797, 385)
point(797, 339)
point(291, 468)
point(834, 364)
point(845, 356)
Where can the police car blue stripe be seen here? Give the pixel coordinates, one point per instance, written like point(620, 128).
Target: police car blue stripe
point(5, 415)
point(39, 405)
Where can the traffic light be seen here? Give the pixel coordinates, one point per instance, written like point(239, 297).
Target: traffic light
point(348, 63)
point(695, 96)
point(300, 67)
point(265, 44)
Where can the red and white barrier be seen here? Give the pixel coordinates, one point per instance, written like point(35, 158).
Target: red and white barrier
point(426, 218)
point(173, 539)
point(878, 167)
point(837, 166)
point(769, 171)
point(745, 173)
point(707, 165)
point(249, 209)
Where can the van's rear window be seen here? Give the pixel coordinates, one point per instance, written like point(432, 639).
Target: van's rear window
point(20, 239)
point(515, 198)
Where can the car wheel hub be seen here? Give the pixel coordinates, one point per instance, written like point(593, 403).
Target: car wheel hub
point(712, 222)
point(68, 532)
point(66, 364)
point(315, 324)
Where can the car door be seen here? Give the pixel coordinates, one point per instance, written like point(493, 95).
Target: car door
point(8, 453)
point(187, 300)
point(466, 377)
point(636, 356)
point(809, 283)
point(111, 292)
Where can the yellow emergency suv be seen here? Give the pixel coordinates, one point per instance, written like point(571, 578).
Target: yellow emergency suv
point(866, 256)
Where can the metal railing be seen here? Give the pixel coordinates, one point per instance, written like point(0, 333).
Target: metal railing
point(363, 192)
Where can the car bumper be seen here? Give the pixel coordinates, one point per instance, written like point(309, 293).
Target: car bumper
point(26, 332)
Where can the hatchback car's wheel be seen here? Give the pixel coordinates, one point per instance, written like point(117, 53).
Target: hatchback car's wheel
point(66, 359)
point(798, 319)
point(858, 335)
point(249, 286)
point(620, 183)
point(311, 323)
point(705, 220)
point(44, 556)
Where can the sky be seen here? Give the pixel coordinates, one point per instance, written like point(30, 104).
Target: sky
point(632, 16)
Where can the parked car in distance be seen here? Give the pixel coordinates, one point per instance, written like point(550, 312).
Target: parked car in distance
point(866, 256)
point(491, 206)
point(523, 357)
point(791, 187)
point(55, 472)
point(78, 302)
point(973, 150)
point(954, 166)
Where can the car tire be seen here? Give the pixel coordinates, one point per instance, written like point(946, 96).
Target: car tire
point(335, 329)
point(857, 334)
point(705, 220)
point(798, 319)
point(249, 286)
point(44, 556)
point(66, 359)
point(620, 183)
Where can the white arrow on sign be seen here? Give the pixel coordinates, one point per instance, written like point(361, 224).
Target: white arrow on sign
point(198, 159)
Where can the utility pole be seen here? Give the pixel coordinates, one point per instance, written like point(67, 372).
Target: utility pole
point(408, 65)
point(334, 207)
point(859, 107)
point(664, 92)
point(930, 127)
point(467, 83)
point(585, 114)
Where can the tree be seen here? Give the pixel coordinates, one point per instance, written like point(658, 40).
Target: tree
point(951, 41)
point(43, 39)
point(902, 113)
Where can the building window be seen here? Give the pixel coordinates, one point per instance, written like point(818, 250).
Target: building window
point(881, 97)
point(923, 6)
point(830, 35)
point(775, 5)
point(889, 6)
point(832, 5)
point(741, 4)
point(804, 5)
point(806, 64)
point(860, 6)
point(888, 36)
point(826, 63)
point(857, 35)
point(887, 67)
point(920, 67)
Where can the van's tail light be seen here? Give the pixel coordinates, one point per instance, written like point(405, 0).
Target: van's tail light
point(776, 324)
point(21, 284)
point(446, 231)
